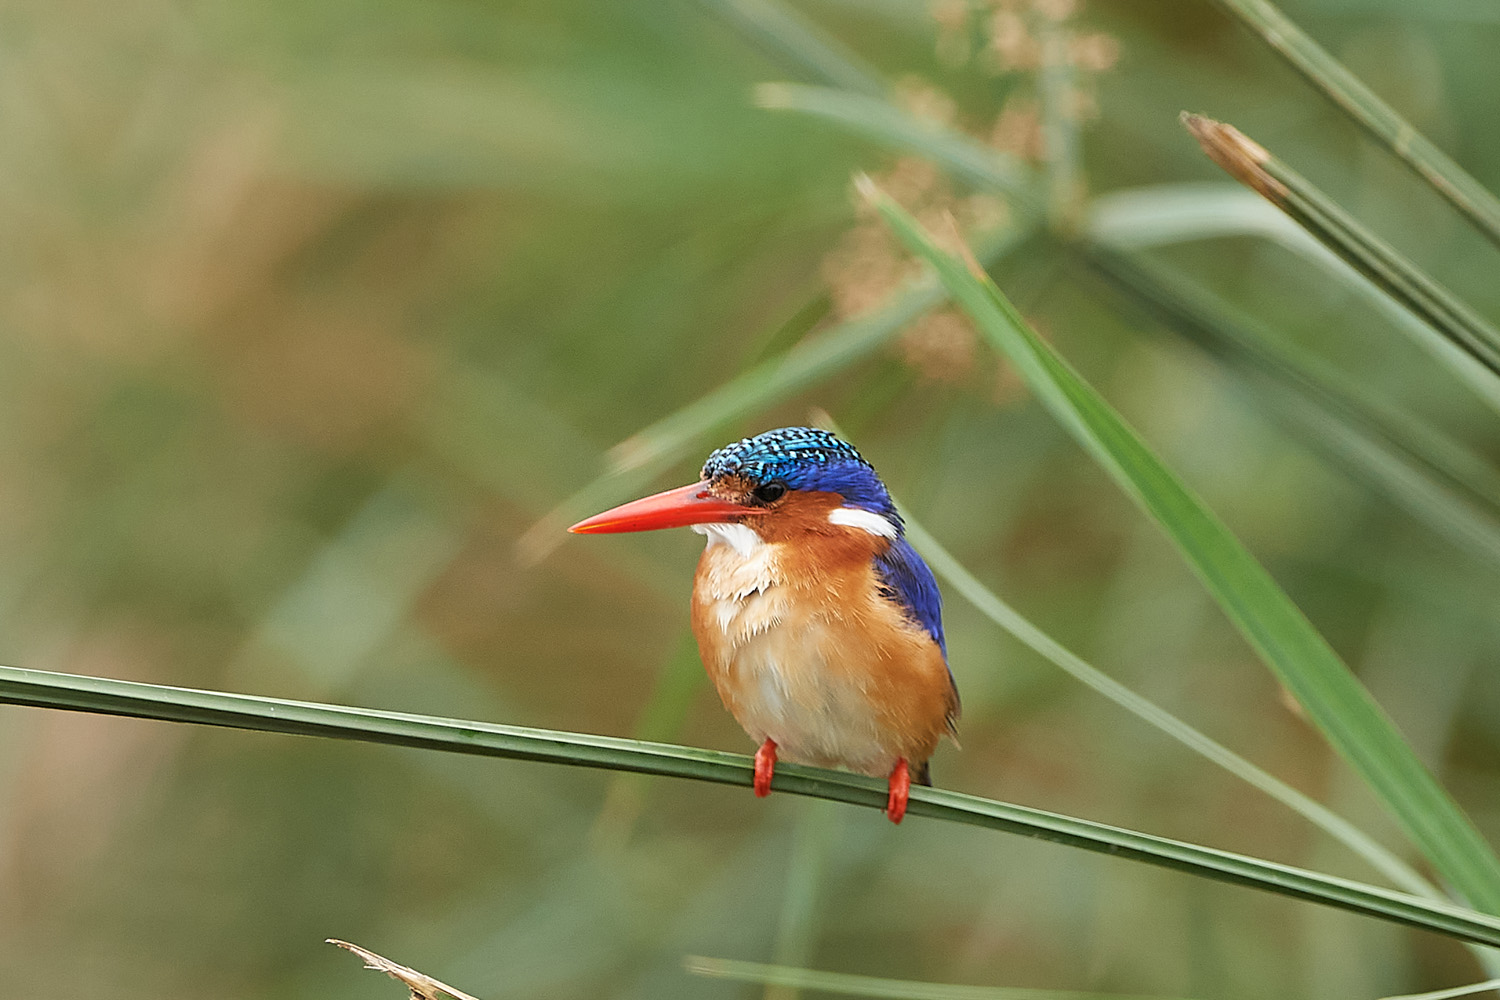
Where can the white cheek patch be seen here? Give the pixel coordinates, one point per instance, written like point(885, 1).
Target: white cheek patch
point(867, 520)
point(740, 537)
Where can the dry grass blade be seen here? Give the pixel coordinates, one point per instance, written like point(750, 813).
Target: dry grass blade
point(1252, 165)
point(1365, 107)
point(1242, 158)
point(422, 987)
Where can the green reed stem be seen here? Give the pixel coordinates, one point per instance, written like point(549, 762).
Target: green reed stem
point(105, 696)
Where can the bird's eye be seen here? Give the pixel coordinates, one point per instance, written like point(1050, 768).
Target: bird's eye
point(769, 492)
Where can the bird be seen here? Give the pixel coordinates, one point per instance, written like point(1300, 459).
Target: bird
point(819, 624)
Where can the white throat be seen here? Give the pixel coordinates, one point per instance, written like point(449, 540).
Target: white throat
point(740, 537)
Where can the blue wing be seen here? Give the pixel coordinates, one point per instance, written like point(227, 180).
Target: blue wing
point(908, 582)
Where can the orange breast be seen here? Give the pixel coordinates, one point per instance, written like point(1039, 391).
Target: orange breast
point(805, 651)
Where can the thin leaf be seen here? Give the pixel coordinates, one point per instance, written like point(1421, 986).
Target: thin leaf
point(1363, 105)
point(1299, 656)
point(874, 986)
point(992, 606)
point(105, 696)
point(952, 572)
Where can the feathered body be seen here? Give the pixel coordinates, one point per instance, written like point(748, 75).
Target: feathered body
point(819, 624)
point(822, 632)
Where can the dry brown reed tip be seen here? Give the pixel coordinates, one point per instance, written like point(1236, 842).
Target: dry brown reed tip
point(1241, 157)
point(421, 987)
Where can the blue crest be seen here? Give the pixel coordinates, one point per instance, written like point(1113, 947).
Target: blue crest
point(805, 458)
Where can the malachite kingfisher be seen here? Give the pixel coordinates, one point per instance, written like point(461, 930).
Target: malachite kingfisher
point(817, 621)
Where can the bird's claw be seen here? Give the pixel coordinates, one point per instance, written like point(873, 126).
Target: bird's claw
point(765, 767)
point(900, 785)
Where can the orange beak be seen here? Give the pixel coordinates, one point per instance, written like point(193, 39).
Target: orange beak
point(677, 508)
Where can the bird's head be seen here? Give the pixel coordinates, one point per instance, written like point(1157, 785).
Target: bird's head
point(779, 484)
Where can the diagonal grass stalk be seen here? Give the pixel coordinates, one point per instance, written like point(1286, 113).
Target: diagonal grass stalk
point(1377, 117)
point(105, 696)
point(1283, 637)
point(992, 606)
point(1252, 165)
point(952, 572)
point(956, 575)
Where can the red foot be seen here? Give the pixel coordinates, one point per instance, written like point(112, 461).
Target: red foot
point(765, 767)
point(895, 805)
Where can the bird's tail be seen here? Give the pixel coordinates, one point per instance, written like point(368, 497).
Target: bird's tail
point(922, 774)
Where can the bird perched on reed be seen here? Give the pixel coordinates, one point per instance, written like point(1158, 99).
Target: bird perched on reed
point(818, 622)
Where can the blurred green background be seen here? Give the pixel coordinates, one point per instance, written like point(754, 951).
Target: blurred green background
point(310, 312)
